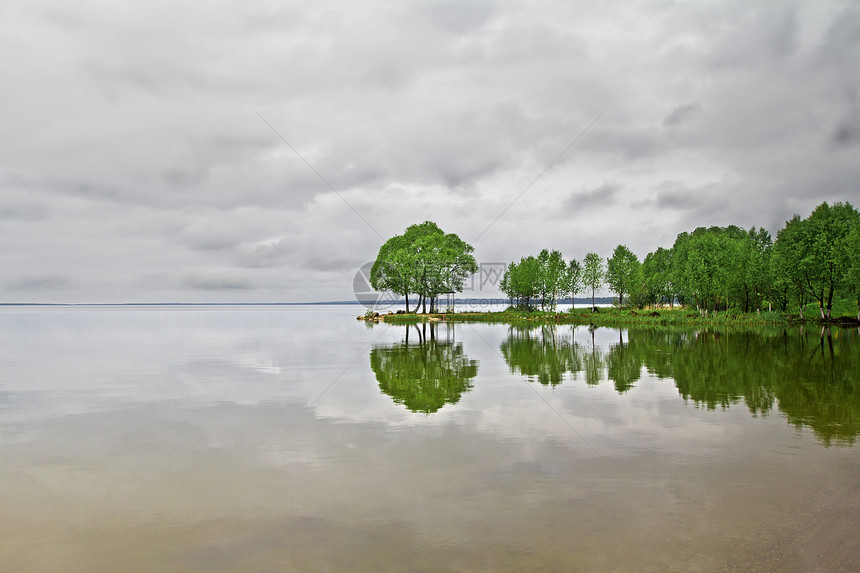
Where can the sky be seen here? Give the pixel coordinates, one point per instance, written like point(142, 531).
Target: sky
point(208, 151)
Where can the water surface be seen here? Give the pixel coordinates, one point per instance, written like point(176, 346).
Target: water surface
point(244, 439)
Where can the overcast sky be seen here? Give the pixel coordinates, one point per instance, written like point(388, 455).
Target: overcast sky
point(137, 161)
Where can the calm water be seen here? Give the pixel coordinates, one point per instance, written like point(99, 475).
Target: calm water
point(296, 439)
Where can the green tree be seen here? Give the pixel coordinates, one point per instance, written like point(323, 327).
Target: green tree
point(755, 278)
point(425, 261)
point(788, 276)
point(816, 250)
point(656, 277)
point(623, 273)
point(593, 273)
point(706, 265)
point(554, 277)
point(574, 280)
point(524, 281)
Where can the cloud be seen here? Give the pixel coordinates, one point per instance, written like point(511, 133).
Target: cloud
point(31, 284)
point(135, 165)
point(215, 282)
point(682, 114)
point(603, 196)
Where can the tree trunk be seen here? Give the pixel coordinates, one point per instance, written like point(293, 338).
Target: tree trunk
point(423, 304)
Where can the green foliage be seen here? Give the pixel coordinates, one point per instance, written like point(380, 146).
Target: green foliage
point(657, 286)
point(811, 375)
point(623, 273)
point(542, 354)
point(536, 279)
point(423, 376)
point(574, 279)
point(424, 261)
point(593, 273)
point(814, 255)
point(555, 278)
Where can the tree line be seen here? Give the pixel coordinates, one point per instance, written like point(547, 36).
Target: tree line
point(815, 259)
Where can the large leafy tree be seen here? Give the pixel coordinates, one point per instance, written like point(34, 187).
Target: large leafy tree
point(623, 273)
point(815, 251)
point(593, 273)
point(706, 266)
point(425, 261)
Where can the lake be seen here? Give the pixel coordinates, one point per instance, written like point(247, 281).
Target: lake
point(299, 439)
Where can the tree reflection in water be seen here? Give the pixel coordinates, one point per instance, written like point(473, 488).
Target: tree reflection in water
point(547, 353)
point(811, 375)
point(426, 373)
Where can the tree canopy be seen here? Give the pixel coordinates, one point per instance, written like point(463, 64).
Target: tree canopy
point(593, 273)
point(623, 273)
point(424, 261)
point(539, 279)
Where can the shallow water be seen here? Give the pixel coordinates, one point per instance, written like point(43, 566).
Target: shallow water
point(246, 439)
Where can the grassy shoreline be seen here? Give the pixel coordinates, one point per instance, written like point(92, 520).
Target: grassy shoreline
point(618, 317)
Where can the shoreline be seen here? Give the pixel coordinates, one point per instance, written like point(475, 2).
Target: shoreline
point(614, 317)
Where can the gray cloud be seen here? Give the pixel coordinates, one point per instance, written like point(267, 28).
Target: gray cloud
point(217, 283)
point(671, 195)
point(603, 196)
point(682, 114)
point(134, 166)
point(40, 283)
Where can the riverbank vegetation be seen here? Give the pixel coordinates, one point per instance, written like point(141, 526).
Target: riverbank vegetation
point(628, 317)
point(713, 274)
point(715, 269)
